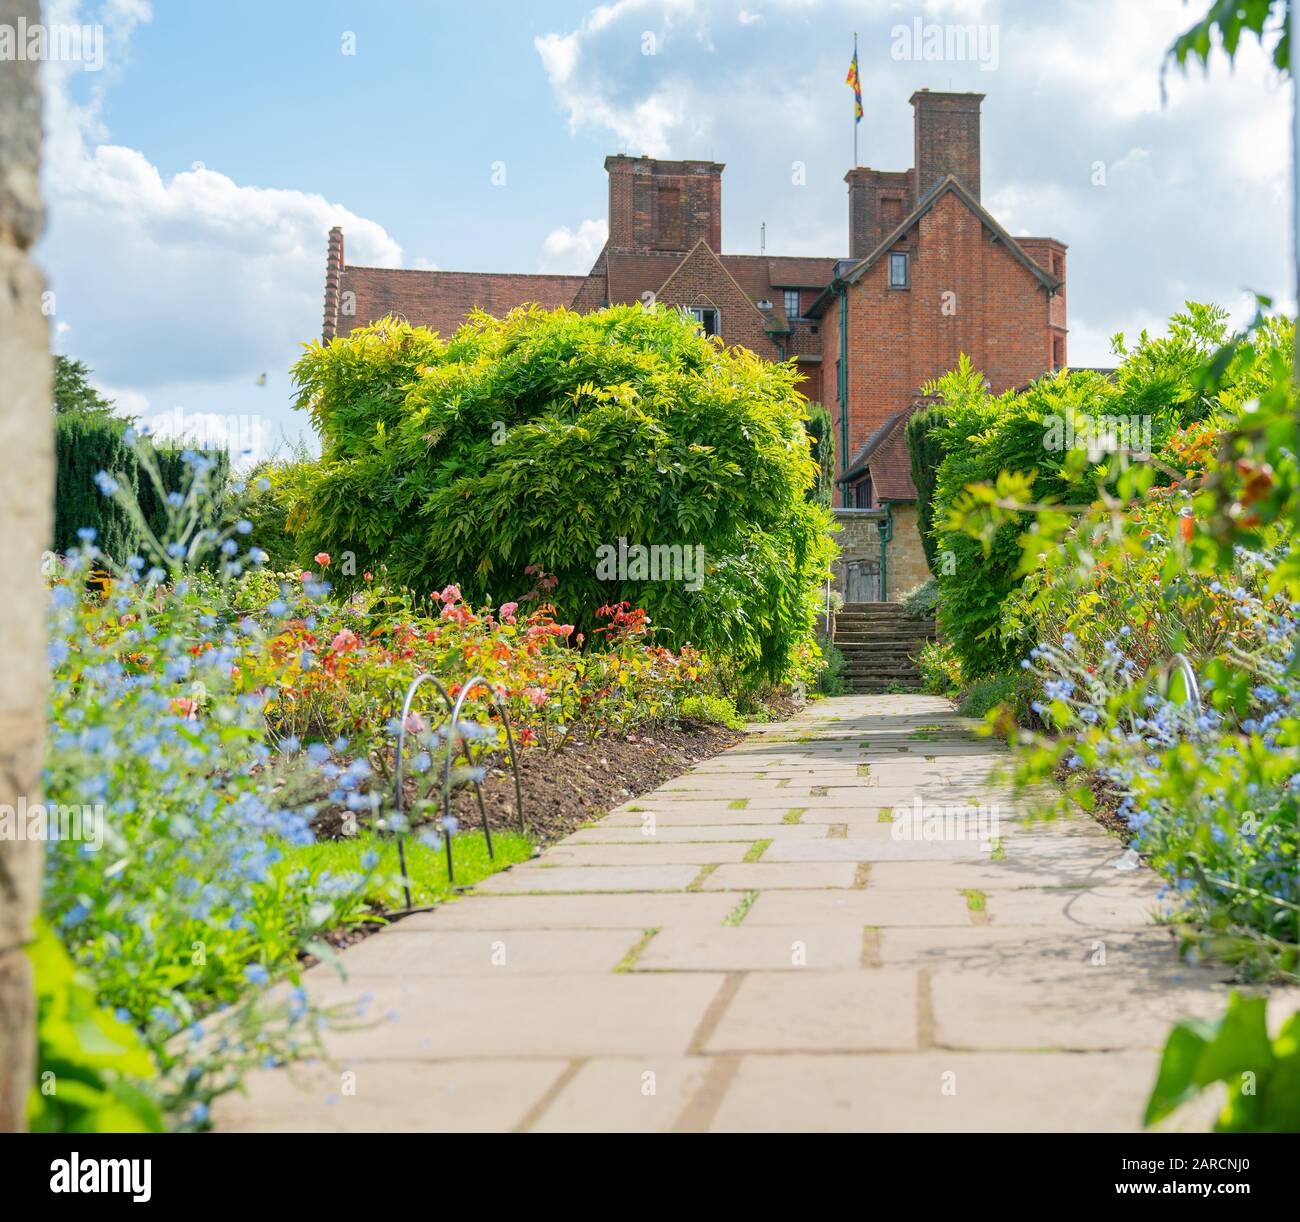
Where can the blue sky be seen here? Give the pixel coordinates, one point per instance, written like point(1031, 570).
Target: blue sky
point(192, 180)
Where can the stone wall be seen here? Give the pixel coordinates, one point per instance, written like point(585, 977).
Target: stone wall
point(906, 556)
point(859, 542)
point(26, 494)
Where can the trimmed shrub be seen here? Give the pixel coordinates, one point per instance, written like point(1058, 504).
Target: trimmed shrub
point(925, 446)
point(87, 443)
point(821, 436)
point(557, 448)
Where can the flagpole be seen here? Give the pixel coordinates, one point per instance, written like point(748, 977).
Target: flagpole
point(855, 115)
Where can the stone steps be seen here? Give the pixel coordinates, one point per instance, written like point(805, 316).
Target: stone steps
point(878, 641)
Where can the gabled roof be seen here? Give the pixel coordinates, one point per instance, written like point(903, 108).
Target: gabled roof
point(885, 455)
point(702, 250)
point(440, 300)
point(947, 185)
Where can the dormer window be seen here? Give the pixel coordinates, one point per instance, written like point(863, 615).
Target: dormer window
point(898, 270)
point(706, 316)
point(791, 303)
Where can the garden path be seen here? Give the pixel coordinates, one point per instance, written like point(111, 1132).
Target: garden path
point(773, 956)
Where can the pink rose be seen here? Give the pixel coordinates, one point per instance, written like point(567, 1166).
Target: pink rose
point(508, 612)
point(451, 594)
point(537, 695)
point(322, 558)
point(345, 641)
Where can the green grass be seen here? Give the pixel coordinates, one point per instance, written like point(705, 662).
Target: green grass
point(737, 914)
point(737, 803)
point(628, 961)
point(793, 816)
point(756, 850)
point(427, 867)
point(974, 900)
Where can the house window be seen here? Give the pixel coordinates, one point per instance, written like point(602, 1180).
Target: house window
point(898, 270)
point(862, 494)
point(792, 304)
point(707, 317)
point(1058, 352)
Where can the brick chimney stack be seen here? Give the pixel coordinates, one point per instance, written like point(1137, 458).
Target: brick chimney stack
point(947, 134)
point(878, 201)
point(663, 205)
point(333, 283)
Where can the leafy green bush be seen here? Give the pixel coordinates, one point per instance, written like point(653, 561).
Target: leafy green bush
point(521, 448)
point(712, 710)
point(940, 669)
point(922, 601)
point(1262, 1076)
point(830, 679)
point(1010, 450)
point(262, 497)
point(95, 1075)
point(925, 446)
point(1013, 690)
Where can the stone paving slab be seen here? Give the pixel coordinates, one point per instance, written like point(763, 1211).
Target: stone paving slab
point(470, 1096)
point(633, 910)
point(909, 909)
point(876, 848)
point(533, 877)
point(759, 876)
point(745, 833)
point(941, 1092)
point(1102, 907)
point(423, 1018)
point(640, 1095)
point(746, 948)
point(815, 1011)
point(986, 875)
point(688, 853)
point(693, 817)
point(1066, 1010)
point(445, 952)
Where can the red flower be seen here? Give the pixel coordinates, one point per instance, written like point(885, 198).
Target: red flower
point(323, 559)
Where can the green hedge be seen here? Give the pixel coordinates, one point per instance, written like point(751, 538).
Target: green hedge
point(88, 443)
point(926, 450)
point(821, 434)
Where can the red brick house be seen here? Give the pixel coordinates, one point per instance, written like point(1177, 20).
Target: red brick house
point(930, 274)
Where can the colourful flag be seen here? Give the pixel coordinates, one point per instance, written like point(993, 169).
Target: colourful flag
point(856, 81)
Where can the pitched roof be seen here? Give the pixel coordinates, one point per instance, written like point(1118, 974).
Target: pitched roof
point(440, 300)
point(886, 457)
point(945, 186)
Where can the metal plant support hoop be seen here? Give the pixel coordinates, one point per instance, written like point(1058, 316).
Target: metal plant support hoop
point(453, 734)
point(1180, 663)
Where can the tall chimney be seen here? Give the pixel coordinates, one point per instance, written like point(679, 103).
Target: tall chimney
point(947, 133)
point(663, 205)
point(878, 201)
point(333, 283)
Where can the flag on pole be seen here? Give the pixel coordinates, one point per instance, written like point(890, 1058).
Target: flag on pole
point(856, 81)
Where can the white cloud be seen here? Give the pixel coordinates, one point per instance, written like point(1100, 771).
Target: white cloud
point(192, 277)
point(568, 252)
